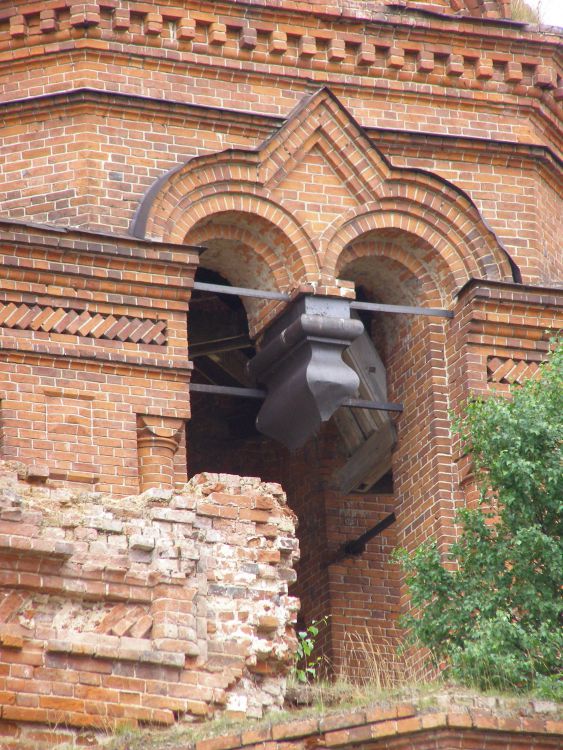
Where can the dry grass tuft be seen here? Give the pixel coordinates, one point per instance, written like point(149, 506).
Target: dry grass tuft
point(520, 10)
point(373, 659)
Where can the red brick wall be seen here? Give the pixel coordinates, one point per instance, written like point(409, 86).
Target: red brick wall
point(91, 170)
point(88, 164)
point(94, 333)
point(519, 201)
point(101, 102)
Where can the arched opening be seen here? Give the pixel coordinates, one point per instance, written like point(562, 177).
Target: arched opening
point(221, 430)
point(395, 267)
point(334, 483)
point(221, 434)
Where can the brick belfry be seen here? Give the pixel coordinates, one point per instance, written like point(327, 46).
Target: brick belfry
point(386, 176)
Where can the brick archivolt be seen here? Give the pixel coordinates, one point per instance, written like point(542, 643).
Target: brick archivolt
point(323, 183)
point(452, 244)
point(176, 217)
point(263, 247)
point(396, 267)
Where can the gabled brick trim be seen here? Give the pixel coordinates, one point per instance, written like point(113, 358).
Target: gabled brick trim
point(405, 199)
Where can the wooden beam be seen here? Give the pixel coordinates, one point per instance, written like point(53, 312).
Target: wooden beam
point(367, 464)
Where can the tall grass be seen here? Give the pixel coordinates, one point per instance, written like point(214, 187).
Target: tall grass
point(373, 659)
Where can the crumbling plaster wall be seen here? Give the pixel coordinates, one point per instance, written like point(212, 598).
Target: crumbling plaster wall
point(162, 606)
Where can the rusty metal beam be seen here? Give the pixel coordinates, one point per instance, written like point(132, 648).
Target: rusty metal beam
point(240, 291)
point(227, 390)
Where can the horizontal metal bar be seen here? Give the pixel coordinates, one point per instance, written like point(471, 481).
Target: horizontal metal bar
point(435, 312)
point(239, 291)
point(225, 390)
point(217, 346)
point(357, 546)
point(356, 403)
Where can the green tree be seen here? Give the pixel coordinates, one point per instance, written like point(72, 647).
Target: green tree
point(490, 610)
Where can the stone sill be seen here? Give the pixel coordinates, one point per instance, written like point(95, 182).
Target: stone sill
point(116, 648)
point(25, 547)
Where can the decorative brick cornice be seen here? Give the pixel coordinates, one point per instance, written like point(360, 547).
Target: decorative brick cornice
point(85, 99)
point(536, 105)
point(31, 18)
point(388, 44)
point(82, 240)
point(514, 293)
point(90, 101)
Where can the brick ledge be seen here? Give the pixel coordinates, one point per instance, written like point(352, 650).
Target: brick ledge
point(372, 724)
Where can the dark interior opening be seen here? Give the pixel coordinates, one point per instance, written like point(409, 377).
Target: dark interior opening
point(221, 427)
point(222, 438)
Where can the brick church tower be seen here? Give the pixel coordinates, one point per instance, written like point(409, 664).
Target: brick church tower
point(273, 239)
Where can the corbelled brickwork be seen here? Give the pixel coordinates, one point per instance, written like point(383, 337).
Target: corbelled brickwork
point(461, 721)
point(149, 608)
point(401, 153)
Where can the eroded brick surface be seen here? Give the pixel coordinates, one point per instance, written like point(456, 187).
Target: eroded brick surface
point(149, 608)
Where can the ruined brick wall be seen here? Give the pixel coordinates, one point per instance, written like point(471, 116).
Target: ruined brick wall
point(152, 608)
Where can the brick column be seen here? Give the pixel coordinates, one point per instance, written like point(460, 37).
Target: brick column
point(158, 439)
